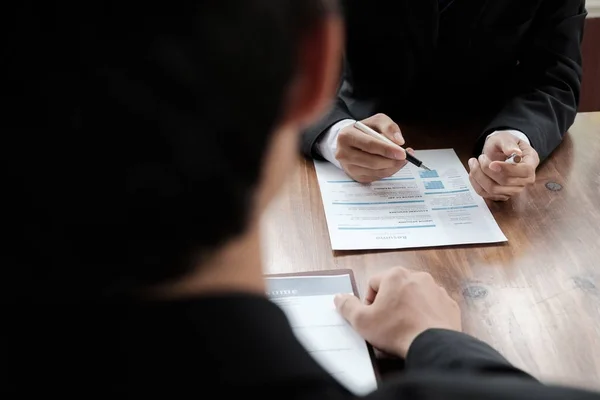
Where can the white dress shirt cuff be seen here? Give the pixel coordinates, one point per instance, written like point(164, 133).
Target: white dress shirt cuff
point(518, 134)
point(327, 145)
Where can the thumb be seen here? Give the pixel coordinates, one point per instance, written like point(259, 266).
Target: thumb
point(510, 145)
point(349, 307)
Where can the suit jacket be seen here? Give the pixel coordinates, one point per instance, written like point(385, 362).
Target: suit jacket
point(217, 346)
point(515, 64)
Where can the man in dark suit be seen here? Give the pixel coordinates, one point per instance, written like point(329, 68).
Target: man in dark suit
point(138, 161)
point(512, 65)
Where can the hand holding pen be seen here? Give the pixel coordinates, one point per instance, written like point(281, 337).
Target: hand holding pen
point(505, 168)
point(371, 132)
point(368, 158)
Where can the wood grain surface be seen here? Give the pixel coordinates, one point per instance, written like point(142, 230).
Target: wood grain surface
point(536, 299)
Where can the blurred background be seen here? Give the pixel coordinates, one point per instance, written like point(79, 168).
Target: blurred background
point(590, 93)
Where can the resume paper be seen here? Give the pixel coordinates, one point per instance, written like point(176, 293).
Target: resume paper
point(413, 208)
point(307, 302)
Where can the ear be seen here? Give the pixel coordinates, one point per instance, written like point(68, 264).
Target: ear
point(317, 73)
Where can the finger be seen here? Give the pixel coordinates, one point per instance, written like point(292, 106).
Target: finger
point(424, 277)
point(477, 187)
point(529, 154)
point(386, 126)
point(490, 188)
point(525, 169)
point(410, 151)
point(503, 176)
point(509, 144)
point(511, 174)
point(480, 191)
point(373, 288)
point(352, 137)
point(506, 174)
point(482, 179)
point(530, 157)
point(365, 175)
point(350, 155)
point(349, 307)
point(370, 297)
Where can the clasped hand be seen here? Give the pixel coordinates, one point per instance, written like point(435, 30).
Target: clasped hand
point(495, 179)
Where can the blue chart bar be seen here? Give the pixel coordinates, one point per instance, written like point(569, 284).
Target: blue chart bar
point(432, 185)
point(429, 174)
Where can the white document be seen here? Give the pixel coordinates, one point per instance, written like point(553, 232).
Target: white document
point(308, 304)
point(413, 208)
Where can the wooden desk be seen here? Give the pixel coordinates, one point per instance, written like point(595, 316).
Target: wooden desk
point(536, 298)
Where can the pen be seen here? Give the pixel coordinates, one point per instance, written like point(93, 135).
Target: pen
point(373, 133)
point(513, 159)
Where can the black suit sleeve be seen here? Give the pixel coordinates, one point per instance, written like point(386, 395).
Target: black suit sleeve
point(338, 112)
point(450, 386)
point(449, 365)
point(549, 77)
point(439, 349)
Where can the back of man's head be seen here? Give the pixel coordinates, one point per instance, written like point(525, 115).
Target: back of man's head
point(135, 135)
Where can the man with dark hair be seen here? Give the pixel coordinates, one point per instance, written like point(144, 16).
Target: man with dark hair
point(141, 147)
point(513, 67)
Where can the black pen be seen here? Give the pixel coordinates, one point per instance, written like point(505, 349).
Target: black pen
point(373, 133)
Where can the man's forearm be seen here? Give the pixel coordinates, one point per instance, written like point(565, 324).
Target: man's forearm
point(448, 350)
point(326, 145)
point(549, 75)
point(312, 134)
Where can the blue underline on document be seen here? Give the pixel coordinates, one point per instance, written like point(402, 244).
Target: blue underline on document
point(377, 203)
point(384, 227)
point(452, 191)
point(453, 208)
point(397, 179)
point(384, 179)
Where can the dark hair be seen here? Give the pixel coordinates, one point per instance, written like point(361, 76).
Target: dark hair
point(135, 134)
